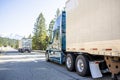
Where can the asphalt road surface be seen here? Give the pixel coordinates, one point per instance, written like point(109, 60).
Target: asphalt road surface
point(32, 66)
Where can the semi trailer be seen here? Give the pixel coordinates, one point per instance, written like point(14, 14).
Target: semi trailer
point(86, 37)
point(25, 45)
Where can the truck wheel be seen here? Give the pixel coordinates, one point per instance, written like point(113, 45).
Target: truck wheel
point(29, 51)
point(70, 62)
point(82, 65)
point(47, 56)
point(22, 51)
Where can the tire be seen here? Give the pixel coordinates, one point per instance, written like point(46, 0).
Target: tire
point(22, 51)
point(28, 51)
point(70, 62)
point(82, 65)
point(47, 56)
point(19, 50)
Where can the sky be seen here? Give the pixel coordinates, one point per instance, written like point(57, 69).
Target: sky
point(17, 17)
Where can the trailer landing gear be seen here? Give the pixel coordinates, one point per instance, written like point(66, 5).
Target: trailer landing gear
point(114, 77)
point(113, 64)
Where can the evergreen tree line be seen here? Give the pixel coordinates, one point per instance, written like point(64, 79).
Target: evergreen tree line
point(8, 42)
point(41, 35)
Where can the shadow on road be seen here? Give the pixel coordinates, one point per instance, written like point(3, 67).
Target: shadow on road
point(11, 52)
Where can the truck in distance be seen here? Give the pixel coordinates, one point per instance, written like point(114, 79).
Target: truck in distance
point(25, 45)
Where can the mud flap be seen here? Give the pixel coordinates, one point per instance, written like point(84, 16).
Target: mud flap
point(94, 69)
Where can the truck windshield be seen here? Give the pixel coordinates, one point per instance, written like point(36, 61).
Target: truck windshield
point(56, 28)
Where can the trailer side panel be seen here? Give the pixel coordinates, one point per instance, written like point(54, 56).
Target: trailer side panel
point(93, 26)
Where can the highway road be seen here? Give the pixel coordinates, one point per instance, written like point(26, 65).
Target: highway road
point(32, 66)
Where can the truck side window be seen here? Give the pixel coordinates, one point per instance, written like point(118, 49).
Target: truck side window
point(52, 37)
point(56, 35)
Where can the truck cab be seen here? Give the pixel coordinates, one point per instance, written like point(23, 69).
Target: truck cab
point(57, 44)
point(25, 45)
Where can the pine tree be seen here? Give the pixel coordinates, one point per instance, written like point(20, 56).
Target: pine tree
point(57, 13)
point(30, 36)
point(39, 38)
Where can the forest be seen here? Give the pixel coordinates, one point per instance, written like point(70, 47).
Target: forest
point(41, 35)
point(8, 42)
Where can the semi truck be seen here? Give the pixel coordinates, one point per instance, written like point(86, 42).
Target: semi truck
point(86, 37)
point(25, 45)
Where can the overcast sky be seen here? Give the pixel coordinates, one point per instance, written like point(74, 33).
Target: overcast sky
point(19, 16)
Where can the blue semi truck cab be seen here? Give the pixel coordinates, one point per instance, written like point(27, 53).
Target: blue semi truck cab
point(57, 45)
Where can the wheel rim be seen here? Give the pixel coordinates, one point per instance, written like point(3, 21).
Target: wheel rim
point(69, 62)
point(80, 65)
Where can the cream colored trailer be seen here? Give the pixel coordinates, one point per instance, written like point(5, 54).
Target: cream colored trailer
point(93, 27)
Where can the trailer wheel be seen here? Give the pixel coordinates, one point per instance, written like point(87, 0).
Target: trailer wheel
point(70, 62)
point(82, 65)
point(47, 56)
